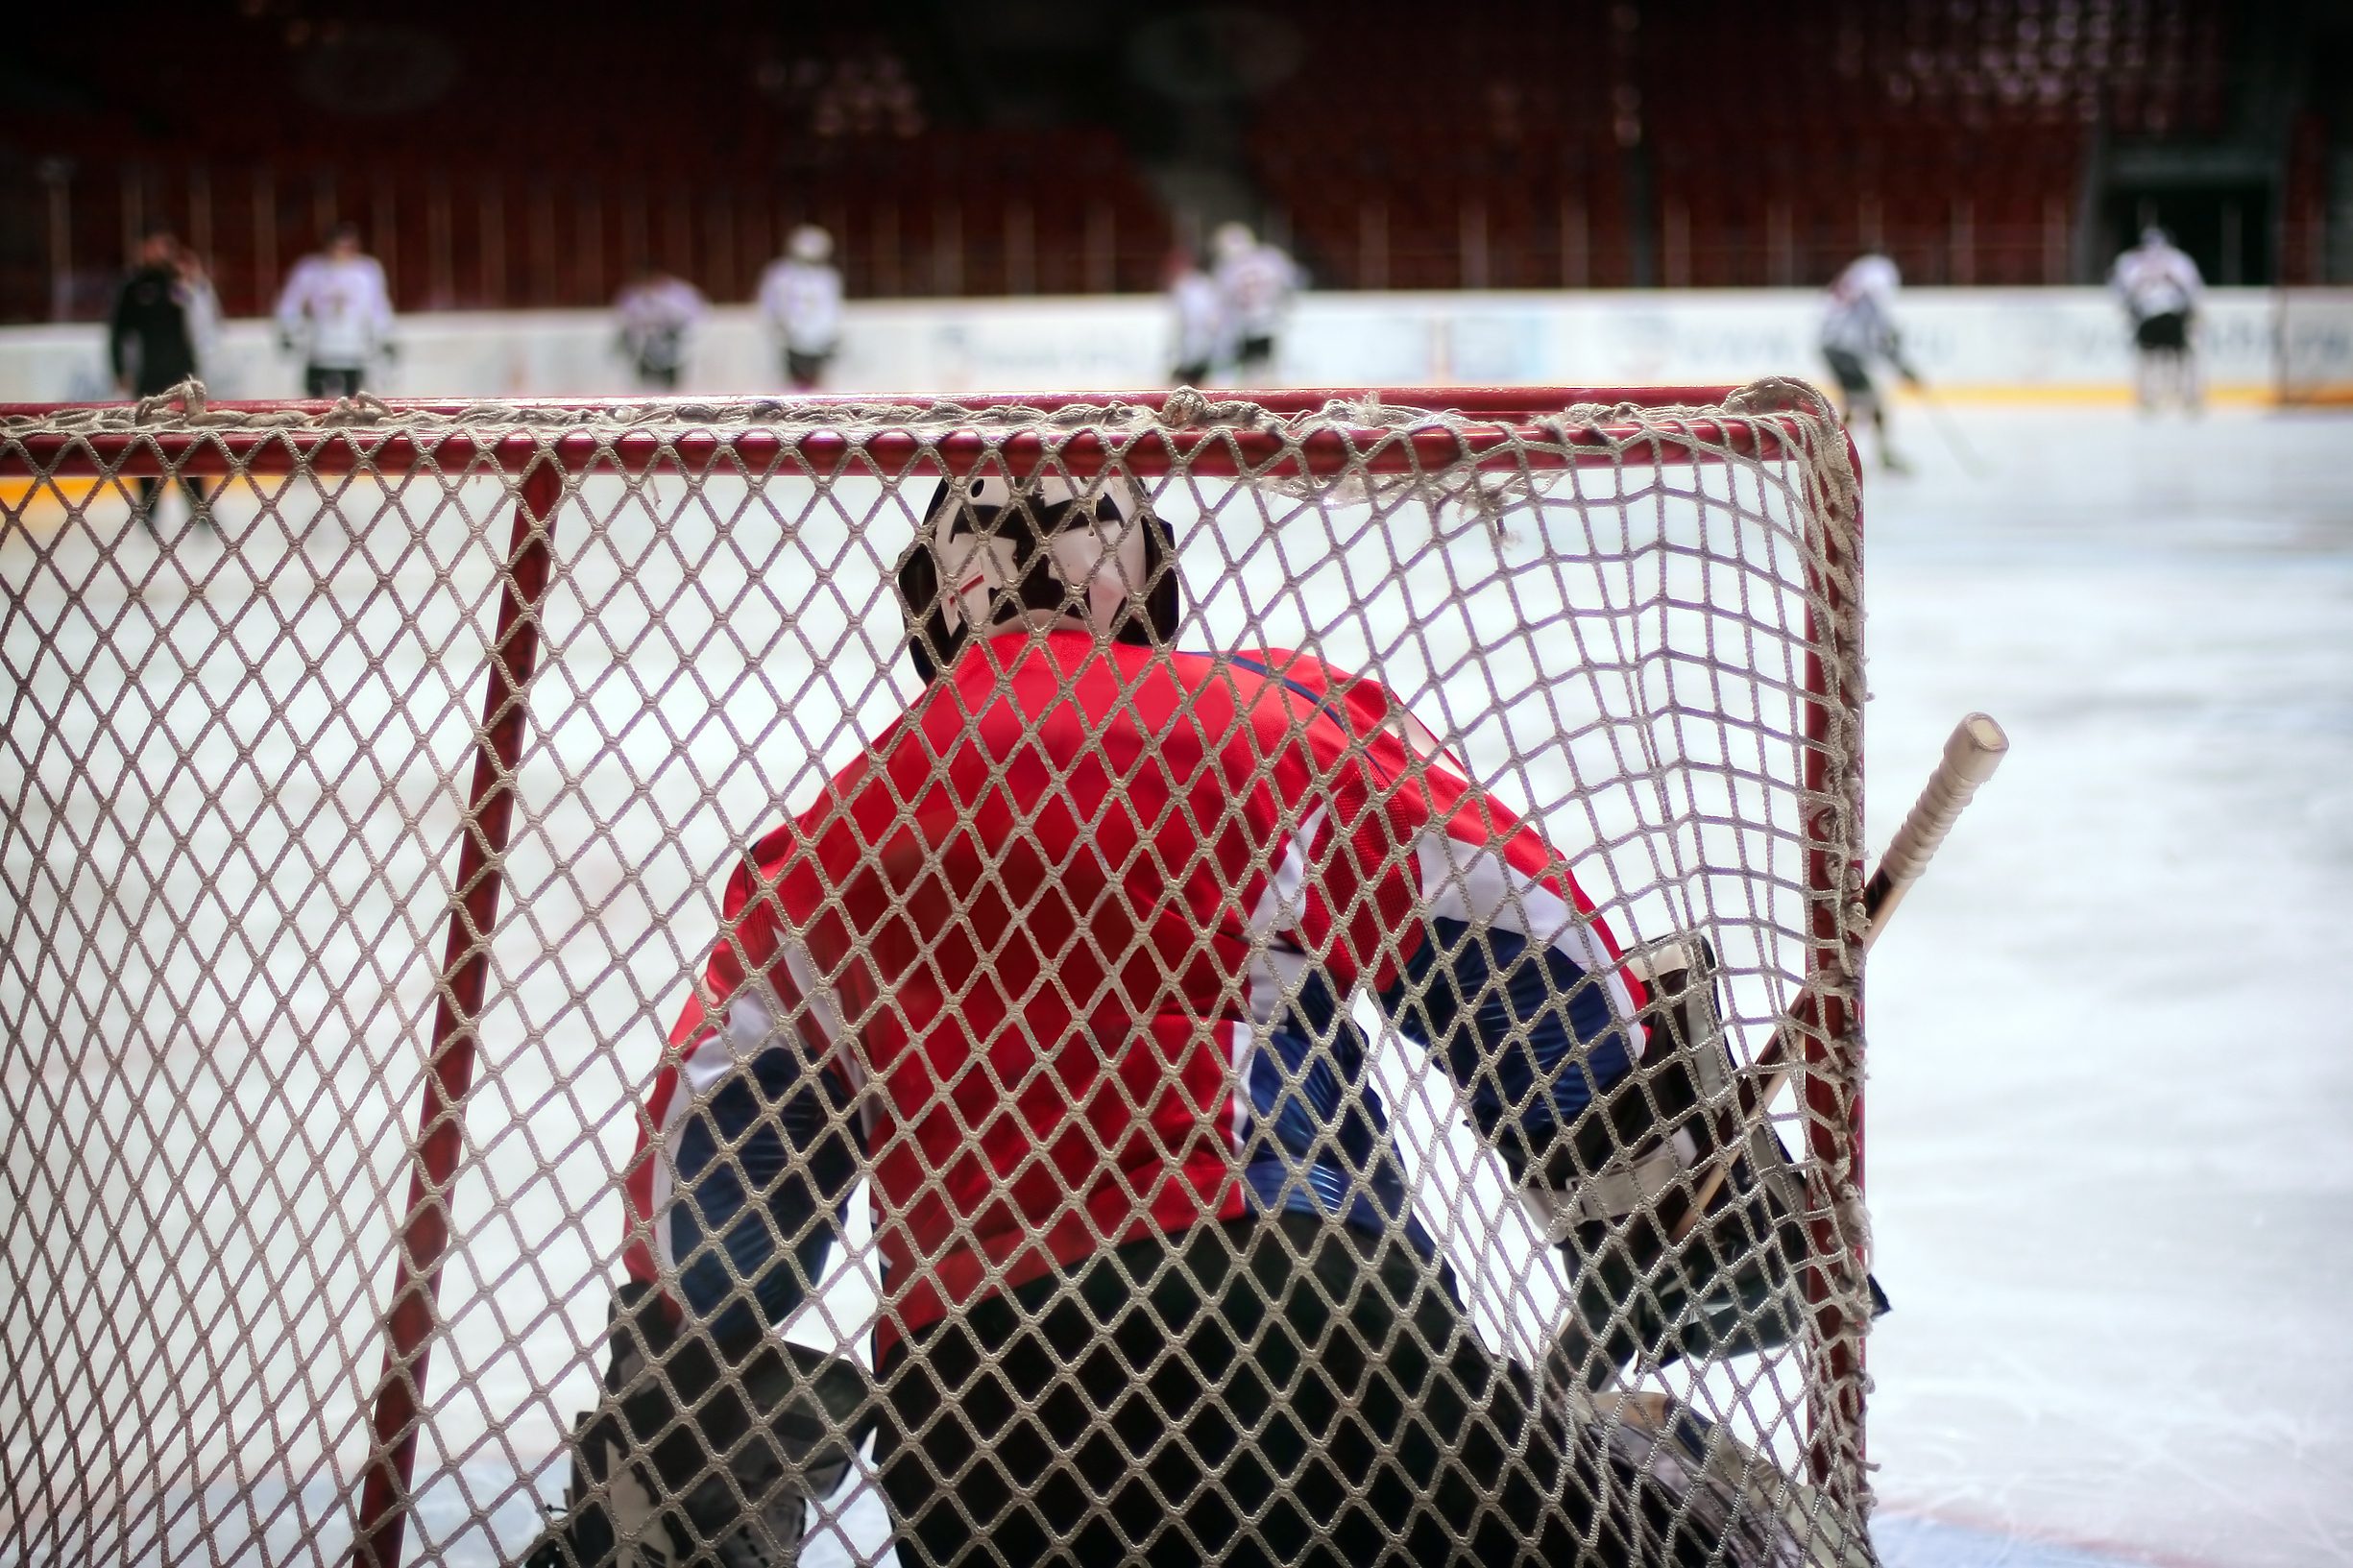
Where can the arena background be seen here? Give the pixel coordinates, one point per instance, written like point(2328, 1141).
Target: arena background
point(2112, 1082)
point(2009, 345)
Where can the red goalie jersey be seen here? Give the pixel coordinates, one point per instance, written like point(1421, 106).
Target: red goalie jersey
point(1080, 936)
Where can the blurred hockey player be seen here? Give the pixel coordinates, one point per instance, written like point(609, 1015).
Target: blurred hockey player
point(151, 343)
point(658, 316)
point(2160, 288)
point(1859, 331)
point(800, 299)
point(1065, 962)
point(336, 313)
point(1255, 282)
point(1197, 317)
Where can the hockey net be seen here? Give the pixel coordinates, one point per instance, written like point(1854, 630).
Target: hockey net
point(365, 835)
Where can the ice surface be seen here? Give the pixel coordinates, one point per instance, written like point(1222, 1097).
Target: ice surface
point(2111, 1094)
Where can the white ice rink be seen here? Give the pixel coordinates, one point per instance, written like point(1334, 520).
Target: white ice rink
point(2111, 1094)
point(2111, 1083)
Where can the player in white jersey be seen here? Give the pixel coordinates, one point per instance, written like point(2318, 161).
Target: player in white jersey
point(800, 299)
point(658, 316)
point(1199, 318)
point(336, 312)
point(2160, 287)
point(1255, 282)
point(1859, 329)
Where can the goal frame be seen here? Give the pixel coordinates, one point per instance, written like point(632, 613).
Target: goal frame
point(1491, 430)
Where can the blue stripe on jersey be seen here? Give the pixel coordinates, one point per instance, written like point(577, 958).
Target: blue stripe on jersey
point(1324, 702)
point(1259, 666)
point(1318, 1140)
point(1530, 1036)
point(741, 1194)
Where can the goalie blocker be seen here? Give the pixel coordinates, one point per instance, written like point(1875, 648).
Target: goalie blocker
point(1672, 1194)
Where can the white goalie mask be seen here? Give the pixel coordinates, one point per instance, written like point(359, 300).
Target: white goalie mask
point(1039, 553)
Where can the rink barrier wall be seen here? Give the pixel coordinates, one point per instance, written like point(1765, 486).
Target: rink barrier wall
point(2012, 345)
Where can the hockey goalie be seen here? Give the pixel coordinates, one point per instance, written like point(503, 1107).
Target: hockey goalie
point(1065, 964)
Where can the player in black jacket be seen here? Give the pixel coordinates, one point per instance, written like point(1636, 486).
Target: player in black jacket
point(152, 347)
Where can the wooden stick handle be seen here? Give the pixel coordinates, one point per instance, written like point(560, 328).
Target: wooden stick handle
point(1972, 753)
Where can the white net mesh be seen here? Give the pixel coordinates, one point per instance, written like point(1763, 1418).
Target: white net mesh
point(368, 833)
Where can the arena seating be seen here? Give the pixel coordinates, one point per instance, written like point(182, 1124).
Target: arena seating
point(495, 160)
point(536, 163)
point(1776, 145)
point(2304, 218)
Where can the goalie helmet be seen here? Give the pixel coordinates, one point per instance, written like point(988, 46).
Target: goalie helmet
point(1040, 553)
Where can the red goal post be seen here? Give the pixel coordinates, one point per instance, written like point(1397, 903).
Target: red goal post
point(393, 468)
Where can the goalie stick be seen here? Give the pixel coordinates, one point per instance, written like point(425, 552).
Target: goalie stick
point(1972, 753)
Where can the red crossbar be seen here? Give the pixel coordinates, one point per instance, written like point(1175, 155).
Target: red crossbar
point(1507, 435)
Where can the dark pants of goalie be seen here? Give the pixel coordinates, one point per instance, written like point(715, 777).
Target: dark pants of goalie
point(1257, 1391)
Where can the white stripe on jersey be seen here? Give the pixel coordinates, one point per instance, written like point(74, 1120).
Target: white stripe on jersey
point(748, 1026)
point(1274, 970)
point(1473, 884)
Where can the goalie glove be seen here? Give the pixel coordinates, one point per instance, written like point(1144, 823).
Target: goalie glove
point(1613, 1188)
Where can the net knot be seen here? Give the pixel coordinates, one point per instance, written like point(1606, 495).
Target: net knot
point(357, 408)
point(187, 394)
point(1187, 408)
point(1184, 406)
point(1780, 394)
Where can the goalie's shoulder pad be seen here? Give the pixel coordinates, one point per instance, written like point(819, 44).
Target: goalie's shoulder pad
point(1359, 705)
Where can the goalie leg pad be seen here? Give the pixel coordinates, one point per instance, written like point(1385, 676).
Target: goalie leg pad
point(694, 1455)
point(1732, 1504)
point(611, 1516)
